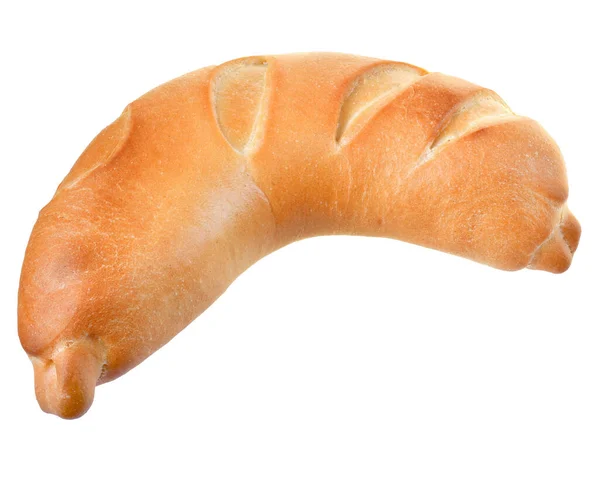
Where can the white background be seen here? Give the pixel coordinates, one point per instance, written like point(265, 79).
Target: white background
point(334, 357)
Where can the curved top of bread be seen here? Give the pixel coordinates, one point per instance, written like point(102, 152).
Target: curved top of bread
point(204, 175)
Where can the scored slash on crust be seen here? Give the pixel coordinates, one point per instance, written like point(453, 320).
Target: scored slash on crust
point(239, 98)
point(369, 93)
point(484, 108)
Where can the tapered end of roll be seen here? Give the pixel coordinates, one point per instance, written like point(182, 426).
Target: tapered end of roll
point(65, 384)
point(556, 253)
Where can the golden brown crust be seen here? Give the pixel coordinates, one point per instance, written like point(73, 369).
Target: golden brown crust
point(204, 175)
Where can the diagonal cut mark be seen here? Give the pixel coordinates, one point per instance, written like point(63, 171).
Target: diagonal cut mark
point(483, 109)
point(239, 99)
point(369, 93)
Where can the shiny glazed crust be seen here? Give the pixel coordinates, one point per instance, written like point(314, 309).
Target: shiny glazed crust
point(204, 175)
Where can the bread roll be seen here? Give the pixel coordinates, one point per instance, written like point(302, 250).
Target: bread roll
point(204, 175)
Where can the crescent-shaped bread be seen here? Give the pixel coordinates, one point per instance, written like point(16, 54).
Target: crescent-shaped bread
point(203, 176)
